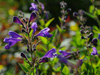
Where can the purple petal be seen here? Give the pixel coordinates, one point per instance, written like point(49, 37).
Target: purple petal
point(34, 27)
point(16, 20)
point(94, 52)
point(44, 33)
point(50, 53)
point(62, 59)
point(11, 42)
point(33, 7)
point(32, 17)
point(42, 6)
point(64, 53)
point(14, 34)
point(99, 36)
point(7, 47)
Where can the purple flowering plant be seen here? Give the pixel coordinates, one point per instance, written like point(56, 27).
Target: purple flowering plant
point(51, 53)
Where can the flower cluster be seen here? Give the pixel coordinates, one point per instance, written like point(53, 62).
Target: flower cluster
point(63, 56)
point(27, 25)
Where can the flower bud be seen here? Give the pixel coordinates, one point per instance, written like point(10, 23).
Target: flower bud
point(81, 12)
point(81, 31)
point(82, 37)
point(82, 27)
point(69, 10)
point(23, 55)
point(23, 30)
point(90, 35)
point(75, 14)
point(94, 41)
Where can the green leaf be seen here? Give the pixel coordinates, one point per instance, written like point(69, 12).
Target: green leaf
point(48, 22)
point(90, 15)
point(98, 11)
point(91, 9)
point(26, 64)
point(41, 27)
point(60, 19)
point(44, 40)
point(24, 68)
point(59, 28)
point(52, 39)
point(43, 47)
point(65, 70)
point(42, 22)
point(40, 53)
point(30, 34)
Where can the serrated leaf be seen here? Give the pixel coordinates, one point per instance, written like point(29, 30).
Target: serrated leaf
point(24, 68)
point(48, 22)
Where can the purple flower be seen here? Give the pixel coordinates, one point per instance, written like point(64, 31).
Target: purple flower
point(62, 59)
point(44, 33)
point(32, 17)
point(94, 52)
point(42, 6)
point(99, 36)
point(64, 53)
point(17, 20)
point(49, 54)
point(14, 34)
point(34, 27)
point(12, 40)
point(33, 7)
